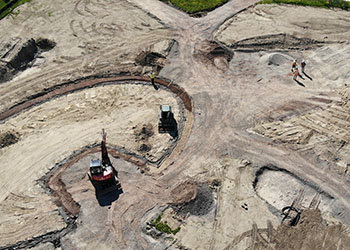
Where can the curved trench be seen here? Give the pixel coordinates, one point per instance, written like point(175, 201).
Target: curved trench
point(51, 182)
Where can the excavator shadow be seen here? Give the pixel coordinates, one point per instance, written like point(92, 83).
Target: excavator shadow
point(174, 133)
point(106, 199)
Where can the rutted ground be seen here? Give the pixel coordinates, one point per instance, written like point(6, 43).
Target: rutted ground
point(53, 130)
point(92, 37)
point(273, 28)
point(323, 25)
point(324, 133)
point(231, 92)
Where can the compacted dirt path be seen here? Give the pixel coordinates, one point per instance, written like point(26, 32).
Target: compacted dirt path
point(228, 99)
point(225, 101)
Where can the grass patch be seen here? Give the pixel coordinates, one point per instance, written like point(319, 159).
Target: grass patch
point(163, 226)
point(4, 12)
point(193, 6)
point(314, 3)
point(2, 4)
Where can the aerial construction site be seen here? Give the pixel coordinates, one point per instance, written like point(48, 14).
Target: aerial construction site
point(131, 124)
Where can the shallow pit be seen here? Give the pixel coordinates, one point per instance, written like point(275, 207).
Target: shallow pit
point(279, 188)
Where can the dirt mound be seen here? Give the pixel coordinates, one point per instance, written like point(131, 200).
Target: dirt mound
point(8, 138)
point(155, 56)
point(45, 44)
point(144, 132)
point(142, 135)
point(23, 55)
point(149, 58)
point(184, 192)
point(216, 53)
point(218, 50)
point(276, 59)
point(17, 55)
point(202, 204)
point(144, 148)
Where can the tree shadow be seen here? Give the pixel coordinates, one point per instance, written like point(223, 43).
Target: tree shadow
point(300, 83)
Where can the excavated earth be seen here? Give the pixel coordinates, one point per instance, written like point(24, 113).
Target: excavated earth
point(251, 141)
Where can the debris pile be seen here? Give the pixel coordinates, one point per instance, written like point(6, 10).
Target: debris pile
point(8, 138)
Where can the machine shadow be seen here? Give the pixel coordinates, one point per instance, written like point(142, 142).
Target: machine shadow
point(106, 199)
point(174, 133)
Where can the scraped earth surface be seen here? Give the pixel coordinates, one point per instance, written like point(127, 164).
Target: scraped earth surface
point(53, 127)
point(247, 113)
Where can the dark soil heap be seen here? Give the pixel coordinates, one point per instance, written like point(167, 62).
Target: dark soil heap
point(8, 139)
point(202, 204)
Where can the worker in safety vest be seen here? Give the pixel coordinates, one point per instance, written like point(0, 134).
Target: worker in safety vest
point(296, 74)
point(153, 76)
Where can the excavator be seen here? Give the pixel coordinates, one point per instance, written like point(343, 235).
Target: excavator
point(103, 176)
point(166, 122)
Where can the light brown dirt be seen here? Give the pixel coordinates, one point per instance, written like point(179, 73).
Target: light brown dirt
point(92, 37)
point(231, 97)
point(48, 136)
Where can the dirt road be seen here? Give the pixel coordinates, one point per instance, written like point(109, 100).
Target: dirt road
point(232, 92)
point(227, 101)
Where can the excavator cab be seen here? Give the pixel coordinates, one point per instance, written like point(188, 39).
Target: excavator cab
point(95, 167)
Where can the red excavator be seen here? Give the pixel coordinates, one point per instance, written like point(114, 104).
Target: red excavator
point(103, 176)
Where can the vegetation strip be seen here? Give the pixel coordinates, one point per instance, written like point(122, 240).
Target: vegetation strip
point(314, 3)
point(7, 6)
point(163, 226)
point(193, 6)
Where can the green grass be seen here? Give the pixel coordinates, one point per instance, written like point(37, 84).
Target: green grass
point(314, 3)
point(9, 10)
point(163, 226)
point(2, 4)
point(193, 6)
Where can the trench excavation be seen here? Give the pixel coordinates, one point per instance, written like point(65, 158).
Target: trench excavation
point(52, 181)
point(93, 81)
point(276, 42)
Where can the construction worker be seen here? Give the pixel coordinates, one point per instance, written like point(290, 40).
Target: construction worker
point(153, 76)
point(294, 64)
point(296, 74)
point(303, 64)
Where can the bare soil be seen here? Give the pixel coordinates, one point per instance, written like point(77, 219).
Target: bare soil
point(227, 76)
